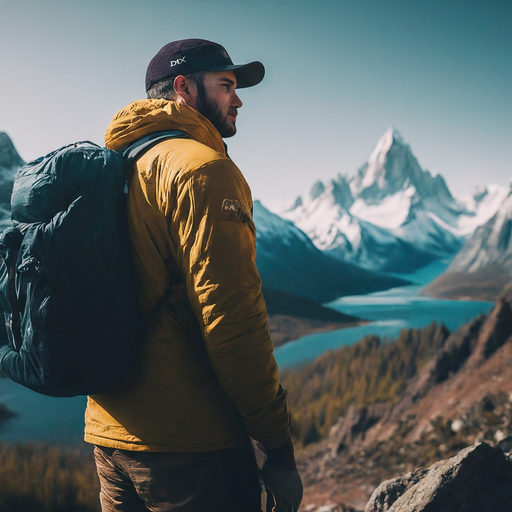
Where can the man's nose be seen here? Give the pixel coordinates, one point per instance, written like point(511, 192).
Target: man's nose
point(237, 101)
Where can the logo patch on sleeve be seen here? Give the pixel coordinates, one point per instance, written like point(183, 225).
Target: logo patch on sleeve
point(233, 210)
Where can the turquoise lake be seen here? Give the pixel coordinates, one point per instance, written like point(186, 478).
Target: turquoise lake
point(388, 313)
point(43, 418)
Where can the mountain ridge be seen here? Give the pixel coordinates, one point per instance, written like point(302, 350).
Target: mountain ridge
point(392, 216)
point(484, 264)
point(288, 261)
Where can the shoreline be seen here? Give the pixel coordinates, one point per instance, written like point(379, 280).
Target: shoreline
point(463, 297)
point(287, 329)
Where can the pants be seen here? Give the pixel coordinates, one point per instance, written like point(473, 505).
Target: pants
point(219, 481)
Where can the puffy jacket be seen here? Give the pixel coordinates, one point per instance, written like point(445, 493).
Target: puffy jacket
point(193, 241)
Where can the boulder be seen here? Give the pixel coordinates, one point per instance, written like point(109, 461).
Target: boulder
point(477, 479)
point(390, 490)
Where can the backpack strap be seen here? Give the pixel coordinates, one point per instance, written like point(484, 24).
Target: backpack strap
point(138, 148)
point(176, 295)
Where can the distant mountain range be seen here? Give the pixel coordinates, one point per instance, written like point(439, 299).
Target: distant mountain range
point(288, 261)
point(392, 215)
point(483, 266)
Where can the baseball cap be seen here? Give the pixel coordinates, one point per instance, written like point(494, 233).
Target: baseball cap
point(191, 55)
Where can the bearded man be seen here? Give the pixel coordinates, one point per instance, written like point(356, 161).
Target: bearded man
point(177, 436)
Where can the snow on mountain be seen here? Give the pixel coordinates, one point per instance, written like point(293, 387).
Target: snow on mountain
point(481, 206)
point(334, 229)
point(489, 244)
point(392, 215)
point(10, 162)
point(391, 168)
point(289, 262)
point(483, 266)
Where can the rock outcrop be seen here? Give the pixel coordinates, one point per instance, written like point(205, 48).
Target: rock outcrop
point(477, 479)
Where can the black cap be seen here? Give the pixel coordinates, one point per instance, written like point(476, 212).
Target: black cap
point(191, 55)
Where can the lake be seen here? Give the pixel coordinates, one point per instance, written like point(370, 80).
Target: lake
point(61, 419)
point(388, 312)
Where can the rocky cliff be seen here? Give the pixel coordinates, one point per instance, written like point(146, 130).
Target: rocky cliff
point(462, 396)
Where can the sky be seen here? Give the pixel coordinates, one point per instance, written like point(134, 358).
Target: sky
point(338, 75)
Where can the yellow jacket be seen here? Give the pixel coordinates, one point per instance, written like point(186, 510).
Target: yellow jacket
point(193, 238)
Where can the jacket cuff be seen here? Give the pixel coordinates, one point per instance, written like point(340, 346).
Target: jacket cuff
point(282, 456)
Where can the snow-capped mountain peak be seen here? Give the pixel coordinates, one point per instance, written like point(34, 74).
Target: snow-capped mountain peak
point(317, 190)
point(391, 209)
point(378, 155)
point(392, 213)
point(392, 167)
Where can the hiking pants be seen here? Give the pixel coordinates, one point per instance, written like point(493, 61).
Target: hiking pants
point(219, 481)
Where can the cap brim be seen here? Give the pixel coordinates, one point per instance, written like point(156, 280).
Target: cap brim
point(247, 75)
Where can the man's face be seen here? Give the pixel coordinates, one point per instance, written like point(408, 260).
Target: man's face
point(218, 102)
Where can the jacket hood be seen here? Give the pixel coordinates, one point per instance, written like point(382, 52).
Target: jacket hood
point(143, 117)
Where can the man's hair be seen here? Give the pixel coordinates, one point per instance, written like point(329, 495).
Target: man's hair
point(164, 90)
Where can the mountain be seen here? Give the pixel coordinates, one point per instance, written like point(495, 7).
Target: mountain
point(10, 162)
point(482, 205)
point(392, 168)
point(289, 262)
point(392, 215)
point(484, 265)
point(326, 216)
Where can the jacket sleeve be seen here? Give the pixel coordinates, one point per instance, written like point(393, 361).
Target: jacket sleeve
point(215, 240)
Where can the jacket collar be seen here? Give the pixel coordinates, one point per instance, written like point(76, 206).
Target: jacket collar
point(141, 118)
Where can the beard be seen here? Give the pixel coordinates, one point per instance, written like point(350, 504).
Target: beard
point(212, 112)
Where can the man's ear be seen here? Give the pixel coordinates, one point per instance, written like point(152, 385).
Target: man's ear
point(186, 90)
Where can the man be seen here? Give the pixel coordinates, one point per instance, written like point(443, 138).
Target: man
point(177, 436)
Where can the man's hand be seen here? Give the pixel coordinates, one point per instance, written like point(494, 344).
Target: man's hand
point(286, 486)
point(281, 476)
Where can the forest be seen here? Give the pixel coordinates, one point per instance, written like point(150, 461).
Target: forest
point(43, 478)
point(371, 370)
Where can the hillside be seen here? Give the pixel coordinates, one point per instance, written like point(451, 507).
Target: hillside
point(376, 410)
point(370, 371)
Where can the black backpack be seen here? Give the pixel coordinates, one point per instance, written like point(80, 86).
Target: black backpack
point(67, 286)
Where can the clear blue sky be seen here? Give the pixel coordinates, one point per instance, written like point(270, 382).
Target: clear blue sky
point(339, 73)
